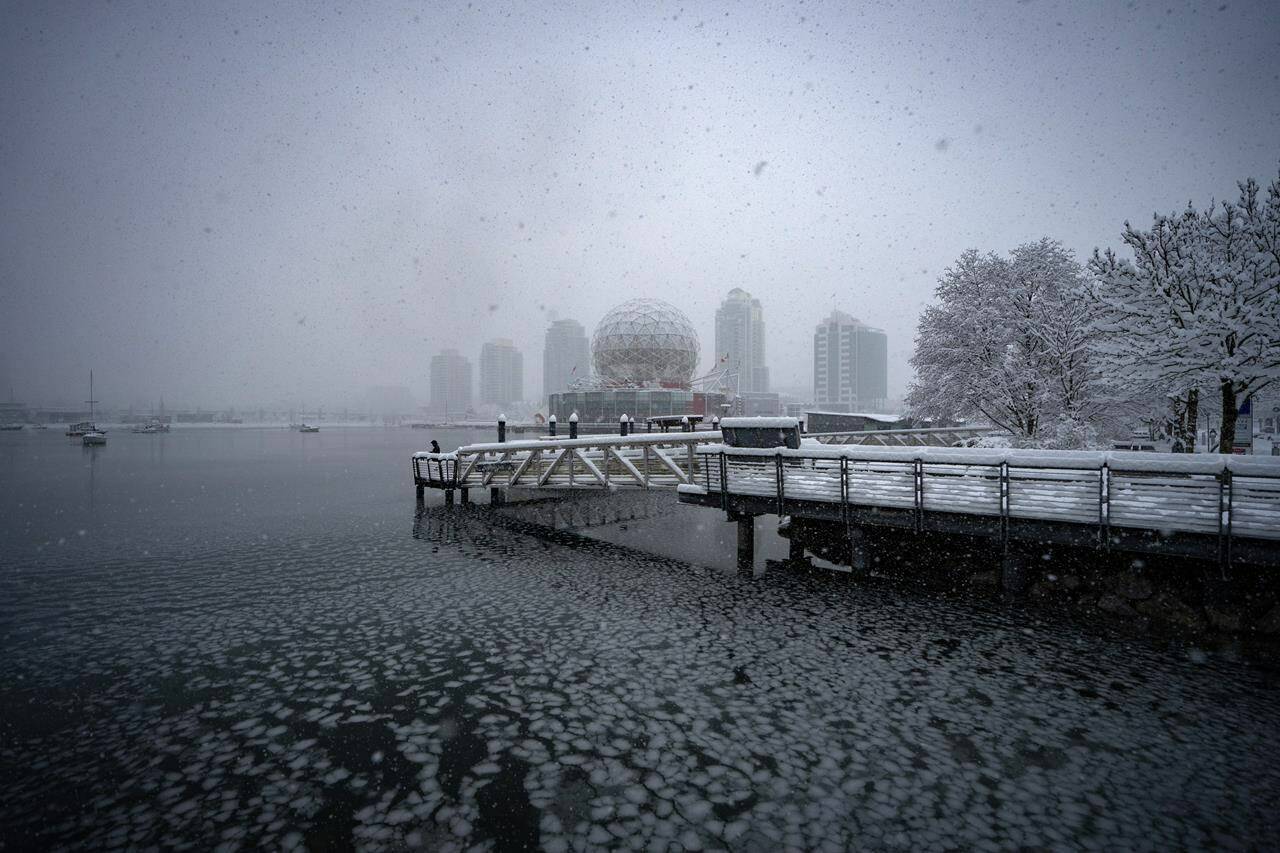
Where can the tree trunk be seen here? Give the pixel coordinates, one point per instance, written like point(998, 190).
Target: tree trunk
point(1226, 440)
point(1190, 414)
point(1182, 421)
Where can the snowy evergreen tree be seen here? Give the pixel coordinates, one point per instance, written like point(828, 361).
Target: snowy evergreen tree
point(1198, 307)
point(1009, 341)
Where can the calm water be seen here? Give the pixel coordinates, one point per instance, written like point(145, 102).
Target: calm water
point(250, 637)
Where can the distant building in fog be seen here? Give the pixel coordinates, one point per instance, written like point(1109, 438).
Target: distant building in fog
point(566, 356)
point(501, 373)
point(850, 365)
point(450, 384)
point(740, 341)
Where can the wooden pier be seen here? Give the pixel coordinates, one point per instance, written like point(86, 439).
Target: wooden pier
point(1204, 506)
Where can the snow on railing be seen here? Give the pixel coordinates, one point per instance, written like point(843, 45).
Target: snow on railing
point(1193, 493)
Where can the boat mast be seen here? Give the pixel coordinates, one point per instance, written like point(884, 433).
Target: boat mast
point(91, 401)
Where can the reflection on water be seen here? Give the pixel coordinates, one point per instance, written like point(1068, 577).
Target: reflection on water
point(457, 676)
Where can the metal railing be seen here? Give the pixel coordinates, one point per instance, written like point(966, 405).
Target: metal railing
point(644, 461)
point(928, 437)
point(1204, 495)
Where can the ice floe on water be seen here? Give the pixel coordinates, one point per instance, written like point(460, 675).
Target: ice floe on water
point(479, 684)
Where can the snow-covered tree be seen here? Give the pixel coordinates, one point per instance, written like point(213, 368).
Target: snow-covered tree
point(1009, 340)
point(1197, 307)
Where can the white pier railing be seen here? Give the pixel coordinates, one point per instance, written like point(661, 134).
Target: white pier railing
point(1228, 498)
point(643, 461)
point(927, 437)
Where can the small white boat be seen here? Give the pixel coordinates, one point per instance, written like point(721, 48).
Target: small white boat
point(87, 430)
point(305, 428)
point(152, 426)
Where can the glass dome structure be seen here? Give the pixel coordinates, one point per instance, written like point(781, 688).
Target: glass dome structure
point(645, 342)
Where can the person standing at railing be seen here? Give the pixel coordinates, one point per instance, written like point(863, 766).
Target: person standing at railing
point(435, 446)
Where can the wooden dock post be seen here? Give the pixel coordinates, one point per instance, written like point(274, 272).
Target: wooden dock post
point(496, 498)
point(746, 543)
point(448, 496)
point(859, 553)
point(622, 424)
point(502, 430)
point(466, 496)
point(1015, 571)
point(419, 489)
point(573, 425)
point(551, 425)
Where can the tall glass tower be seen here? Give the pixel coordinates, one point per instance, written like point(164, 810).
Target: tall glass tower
point(850, 365)
point(740, 341)
point(566, 356)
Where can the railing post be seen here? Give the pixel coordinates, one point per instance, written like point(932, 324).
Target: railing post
point(918, 475)
point(551, 425)
point(844, 491)
point(1224, 521)
point(502, 428)
point(1104, 506)
point(1004, 506)
point(777, 471)
point(724, 484)
point(573, 425)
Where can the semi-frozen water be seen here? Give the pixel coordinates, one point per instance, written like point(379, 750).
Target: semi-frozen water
point(251, 638)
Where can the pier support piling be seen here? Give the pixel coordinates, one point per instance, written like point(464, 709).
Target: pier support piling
point(466, 496)
point(1015, 571)
point(448, 496)
point(795, 550)
point(496, 497)
point(859, 550)
point(419, 490)
point(746, 543)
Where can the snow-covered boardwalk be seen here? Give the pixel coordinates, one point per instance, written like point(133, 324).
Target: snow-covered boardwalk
point(1198, 504)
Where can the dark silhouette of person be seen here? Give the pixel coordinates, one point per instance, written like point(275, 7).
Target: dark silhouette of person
point(435, 446)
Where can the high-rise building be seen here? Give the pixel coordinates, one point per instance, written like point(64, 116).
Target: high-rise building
point(740, 341)
point(450, 384)
point(501, 373)
point(850, 365)
point(566, 356)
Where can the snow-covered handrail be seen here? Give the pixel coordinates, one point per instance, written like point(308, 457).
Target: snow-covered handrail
point(1172, 463)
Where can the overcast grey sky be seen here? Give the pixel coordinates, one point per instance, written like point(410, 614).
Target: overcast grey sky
point(234, 202)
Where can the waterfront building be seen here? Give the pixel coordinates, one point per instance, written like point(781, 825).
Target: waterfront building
point(566, 356)
point(644, 355)
point(850, 365)
point(740, 342)
point(450, 384)
point(501, 373)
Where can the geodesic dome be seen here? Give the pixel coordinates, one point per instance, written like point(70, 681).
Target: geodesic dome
point(645, 342)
